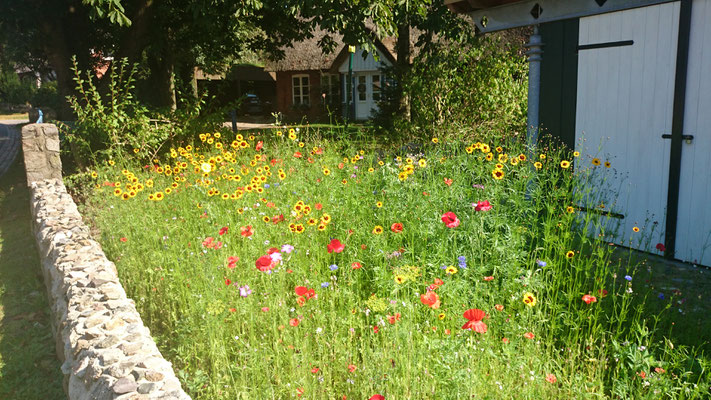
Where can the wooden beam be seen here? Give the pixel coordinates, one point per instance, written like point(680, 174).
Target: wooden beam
point(506, 14)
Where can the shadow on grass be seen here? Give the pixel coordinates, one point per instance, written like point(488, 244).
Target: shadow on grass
point(678, 293)
point(29, 368)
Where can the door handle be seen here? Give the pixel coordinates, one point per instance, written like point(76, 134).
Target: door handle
point(687, 138)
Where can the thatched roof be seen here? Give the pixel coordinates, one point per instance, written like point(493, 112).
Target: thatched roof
point(306, 55)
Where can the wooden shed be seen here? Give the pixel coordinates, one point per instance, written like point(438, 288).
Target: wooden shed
point(626, 82)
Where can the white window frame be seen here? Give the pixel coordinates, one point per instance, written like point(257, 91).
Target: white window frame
point(300, 98)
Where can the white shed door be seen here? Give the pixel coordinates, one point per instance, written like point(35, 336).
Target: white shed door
point(367, 93)
point(624, 104)
point(693, 238)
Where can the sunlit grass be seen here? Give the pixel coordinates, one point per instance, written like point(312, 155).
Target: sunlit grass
point(227, 247)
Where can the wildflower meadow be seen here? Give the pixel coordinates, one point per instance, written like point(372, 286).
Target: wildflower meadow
point(290, 263)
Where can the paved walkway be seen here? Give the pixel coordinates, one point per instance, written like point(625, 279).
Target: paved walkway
point(9, 144)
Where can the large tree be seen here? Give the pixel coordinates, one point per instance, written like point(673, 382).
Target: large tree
point(167, 37)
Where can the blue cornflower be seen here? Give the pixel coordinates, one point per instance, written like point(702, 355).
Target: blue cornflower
point(325, 284)
point(333, 267)
point(628, 278)
point(461, 259)
point(541, 263)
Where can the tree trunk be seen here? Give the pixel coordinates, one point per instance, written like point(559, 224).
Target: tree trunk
point(59, 57)
point(403, 62)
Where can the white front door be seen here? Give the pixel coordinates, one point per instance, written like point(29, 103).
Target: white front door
point(367, 93)
point(693, 233)
point(624, 105)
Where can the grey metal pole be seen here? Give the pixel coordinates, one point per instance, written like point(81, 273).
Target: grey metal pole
point(534, 53)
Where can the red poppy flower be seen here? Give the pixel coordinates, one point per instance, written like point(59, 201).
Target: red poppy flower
point(376, 329)
point(377, 397)
point(318, 206)
point(475, 323)
point(223, 230)
point(529, 335)
point(499, 307)
point(602, 292)
point(448, 181)
point(294, 322)
point(356, 265)
point(393, 318)
point(233, 309)
point(430, 299)
point(300, 301)
point(297, 154)
point(505, 340)
point(272, 250)
point(314, 370)
point(259, 146)
point(488, 278)
point(301, 290)
point(232, 261)
point(335, 246)
point(208, 242)
point(310, 294)
point(228, 282)
point(396, 227)
point(450, 220)
point(438, 282)
point(351, 368)
point(589, 299)
point(550, 378)
point(246, 231)
point(265, 309)
point(661, 247)
point(482, 206)
point(123, 239)
point(264, 263)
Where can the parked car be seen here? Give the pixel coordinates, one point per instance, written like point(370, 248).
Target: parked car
point(252, 105)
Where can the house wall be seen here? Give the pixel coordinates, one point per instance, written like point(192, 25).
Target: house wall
point(284, 101)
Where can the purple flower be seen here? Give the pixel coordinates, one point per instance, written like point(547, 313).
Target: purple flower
point(287, 248)
point(478, 186)
point(245, 291)
point(628, 278)
point(541, 263)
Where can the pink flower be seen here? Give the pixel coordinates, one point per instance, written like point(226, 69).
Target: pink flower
point(551, 378)
point(450, 220)
point(482, 206)
point(264, 263)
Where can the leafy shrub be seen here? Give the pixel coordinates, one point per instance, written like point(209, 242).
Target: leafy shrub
point(13, 90)
point(451, 88)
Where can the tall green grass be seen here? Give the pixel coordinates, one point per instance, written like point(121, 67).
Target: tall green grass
point(368, 331)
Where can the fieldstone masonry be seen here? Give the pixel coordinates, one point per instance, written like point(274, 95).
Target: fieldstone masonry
point(106, 350)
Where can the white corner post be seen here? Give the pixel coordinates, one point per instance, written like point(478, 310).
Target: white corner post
point(534, 53)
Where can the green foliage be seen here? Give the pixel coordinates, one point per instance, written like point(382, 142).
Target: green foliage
point(13, 90)
point(480, 88)
point(184, 261)
point(46, 96)
point(112, 125)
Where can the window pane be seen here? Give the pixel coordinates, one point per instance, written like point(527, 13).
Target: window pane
point(305, 91)
point(304, 81)
point(295, 81)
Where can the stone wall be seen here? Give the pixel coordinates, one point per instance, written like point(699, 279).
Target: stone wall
point(107, 352)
